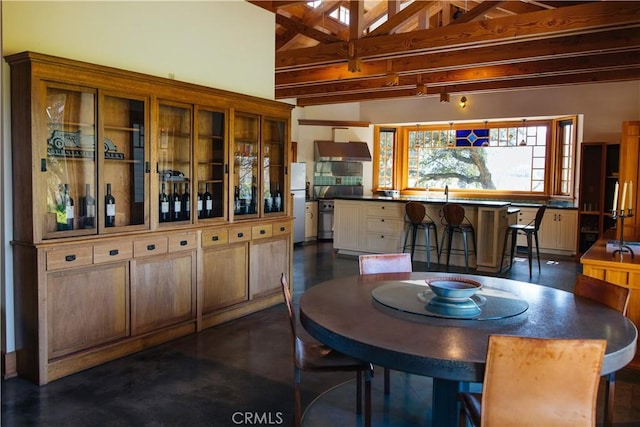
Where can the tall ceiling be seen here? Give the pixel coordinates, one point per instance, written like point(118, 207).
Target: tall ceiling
point(396, 49)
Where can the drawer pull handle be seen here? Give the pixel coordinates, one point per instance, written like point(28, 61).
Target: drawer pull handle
point(240, 234)
point(262, 231)
point(151, 247)
point(183, 243)
point(70, 258)
point(382, 220)
point(214, 238)
point(283, 228)
point(113, 252)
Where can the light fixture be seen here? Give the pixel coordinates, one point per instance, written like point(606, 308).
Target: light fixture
point(463, 102)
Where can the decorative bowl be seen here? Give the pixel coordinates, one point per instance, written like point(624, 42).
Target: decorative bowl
point(454, 288)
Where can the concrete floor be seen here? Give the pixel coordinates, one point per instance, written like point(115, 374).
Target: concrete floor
point(240, 373)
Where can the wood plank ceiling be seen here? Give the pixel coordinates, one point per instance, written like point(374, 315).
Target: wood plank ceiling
point(393, 49)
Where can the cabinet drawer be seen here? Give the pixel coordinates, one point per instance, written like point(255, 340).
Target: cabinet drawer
point(215, 237)
point(395, 210)
point(182, 242)
point(239, 234)
point(114, 251)
point(385, 225)
point(68, 257)
point(282, 227)
point(150, 247)
point(261, 231)
point(383, 243)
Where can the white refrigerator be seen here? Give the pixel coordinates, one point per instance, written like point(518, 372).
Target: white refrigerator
point(298, 174)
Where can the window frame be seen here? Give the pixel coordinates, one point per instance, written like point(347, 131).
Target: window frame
point(553, 158)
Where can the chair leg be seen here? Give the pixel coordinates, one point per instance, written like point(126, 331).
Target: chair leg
point(504, 248)
point(449, 241)
point(435, 235)
point(610, 386)
point(414, 236)
point(367, 398)
point(465, 245)
point(514, 242)
point(297, 405)
point(529, 251)
point(387, 381)
point(535, 234)
point(427, 245)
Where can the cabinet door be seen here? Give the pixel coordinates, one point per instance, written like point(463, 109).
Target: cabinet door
point(174, 163)
point(126, 164)
point(211, 160)
point(162, 291)
point(567, 230)
point(246, 151)
point(224, 276)
point(86, 308)
point(311, 220)
point(67, 162)
point(346, 226)
point(269, 259)
point(274, 139)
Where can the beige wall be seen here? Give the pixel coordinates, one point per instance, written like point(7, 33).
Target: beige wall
point(223, 44)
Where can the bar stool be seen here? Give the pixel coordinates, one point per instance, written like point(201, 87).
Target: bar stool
point(454, 216)
point(415, 216)
point(530, 230)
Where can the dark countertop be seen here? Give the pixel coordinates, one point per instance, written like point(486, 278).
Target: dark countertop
point(465, 202)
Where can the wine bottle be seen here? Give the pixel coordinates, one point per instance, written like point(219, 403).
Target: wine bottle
point(186, 203)
point(176, 204)
point(110, 208)
point(208, 202)
point(277, 202)
point(88, 208)
point(199, 206)
point(164, 205)
point(68, 207)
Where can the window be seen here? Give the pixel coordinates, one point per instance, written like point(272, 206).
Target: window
point(497, 158)
point(384, 150)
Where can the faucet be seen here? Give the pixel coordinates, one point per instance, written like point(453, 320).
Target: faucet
point(446, 193)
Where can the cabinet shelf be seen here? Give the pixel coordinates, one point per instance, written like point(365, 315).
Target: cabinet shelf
point(214, 137)
point(74, 124)
point(121, 128)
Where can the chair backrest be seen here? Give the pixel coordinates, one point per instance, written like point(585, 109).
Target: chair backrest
point(453, 213)
point(607, 293)
point(289, 302)
point(385, 263)
point(415, 212)
point(539, 215)
point(541, 382)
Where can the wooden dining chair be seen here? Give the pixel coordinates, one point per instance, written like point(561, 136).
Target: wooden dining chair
point(385, 263)
point(617, 298)
point(537, 382)
point(313, 356)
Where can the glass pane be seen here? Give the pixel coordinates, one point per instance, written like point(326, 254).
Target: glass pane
point(245, 167)
point(124, 161)
point(70, 164)
point(273, 165)
point(174, 163)
point(211, 154)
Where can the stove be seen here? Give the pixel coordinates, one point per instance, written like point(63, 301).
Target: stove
point(325, 219)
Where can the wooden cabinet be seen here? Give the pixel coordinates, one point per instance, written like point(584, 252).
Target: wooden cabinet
point(311, 220)
point(630, 171)
point(599, 171)
point(346, 225)
point(384, 227)
point(115, 272)
point(557, 232)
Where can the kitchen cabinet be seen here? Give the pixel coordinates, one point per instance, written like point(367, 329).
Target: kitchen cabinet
point(558, 231)
point(179, 218)
point(311, 220)
point(347, 225)
point(599, 171)
point(384, 226)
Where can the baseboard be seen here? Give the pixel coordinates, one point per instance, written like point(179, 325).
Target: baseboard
point(9, 365)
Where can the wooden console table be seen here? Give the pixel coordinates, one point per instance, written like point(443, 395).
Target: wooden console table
point(602, 264)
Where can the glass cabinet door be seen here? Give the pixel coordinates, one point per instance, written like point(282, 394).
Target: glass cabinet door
point(123, 192)
point(174, 163)
point(69, 162)
point(211, 155)
point(273, 163)
point(245, 164)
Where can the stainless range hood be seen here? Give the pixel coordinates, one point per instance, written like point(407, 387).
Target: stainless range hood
point(329, 151)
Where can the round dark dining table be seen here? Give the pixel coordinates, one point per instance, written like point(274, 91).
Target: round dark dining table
point(347, 314)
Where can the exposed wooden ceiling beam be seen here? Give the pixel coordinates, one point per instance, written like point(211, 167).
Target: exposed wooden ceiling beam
point(577, 19)
point(305, 30)
point(477, 12)
point(400, 17)
point(570, 45)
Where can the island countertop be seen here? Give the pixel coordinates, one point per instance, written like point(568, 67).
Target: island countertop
point(439, 200)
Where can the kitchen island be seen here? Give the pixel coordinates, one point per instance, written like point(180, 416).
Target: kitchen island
point(375, 224)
